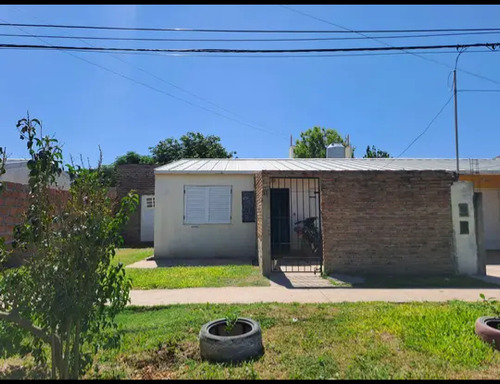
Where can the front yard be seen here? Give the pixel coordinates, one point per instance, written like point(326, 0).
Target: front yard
point(305, 341)
point(187, 276)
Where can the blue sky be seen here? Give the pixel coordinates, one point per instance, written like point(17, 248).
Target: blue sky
point(384, 101)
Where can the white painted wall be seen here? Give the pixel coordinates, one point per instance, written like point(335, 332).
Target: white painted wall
point(491, 216)
point(175, 239)
point(466, 255)
point(16, 171)
point(147, 218)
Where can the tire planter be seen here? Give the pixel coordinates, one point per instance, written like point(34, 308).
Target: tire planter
point(242, 343)
point(488, 329)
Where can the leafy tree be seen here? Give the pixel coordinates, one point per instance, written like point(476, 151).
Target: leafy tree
point(67, 293)
point(374, 152)
point(191, 145)
point(313, 142)
point(132, 157)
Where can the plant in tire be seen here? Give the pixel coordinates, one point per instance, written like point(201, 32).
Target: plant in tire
point(488, 327)
point(67, 293)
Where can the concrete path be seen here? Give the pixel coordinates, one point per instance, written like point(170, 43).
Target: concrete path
point(305, 288)
point(302, 295)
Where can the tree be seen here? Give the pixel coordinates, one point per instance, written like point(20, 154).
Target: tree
point(67, 293)
point(191, 145)
point(313, 142)
point(132, 157)
point(374, 152)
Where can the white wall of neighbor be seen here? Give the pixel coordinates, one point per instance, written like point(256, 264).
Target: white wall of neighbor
point(18, 172)
point(174, 239)
point(466, 255)
point(491, 217)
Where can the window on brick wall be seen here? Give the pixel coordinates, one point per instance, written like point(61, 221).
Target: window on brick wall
point(207, 204)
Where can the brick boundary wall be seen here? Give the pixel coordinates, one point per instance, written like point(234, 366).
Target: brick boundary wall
point(141, 178)
point(13, 205)
point(383, 222)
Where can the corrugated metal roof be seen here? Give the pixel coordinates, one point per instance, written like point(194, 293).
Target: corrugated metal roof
point(242, 166)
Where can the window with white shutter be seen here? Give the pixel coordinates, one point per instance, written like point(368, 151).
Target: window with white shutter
point(207, 204)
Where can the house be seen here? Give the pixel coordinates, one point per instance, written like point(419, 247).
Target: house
point(138, 177)
point(381, 216)
point(17, 171)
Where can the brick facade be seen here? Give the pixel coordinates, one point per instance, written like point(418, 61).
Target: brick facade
point(141, 178)
point(380, 222)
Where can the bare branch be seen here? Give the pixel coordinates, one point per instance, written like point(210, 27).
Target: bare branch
point(27, 325)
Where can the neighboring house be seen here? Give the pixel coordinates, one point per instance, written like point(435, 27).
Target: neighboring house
point(386, 216)
point(14, 198)
point(16, 171)
point(139, 230)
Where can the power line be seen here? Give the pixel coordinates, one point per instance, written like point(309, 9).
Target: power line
point(422, 133)
point(268, 56)
point(244, 30)
point(161, 79)
point(116, 38)
point(158, 90)
point(386, 44)
point(492, 46)
point(478, 90)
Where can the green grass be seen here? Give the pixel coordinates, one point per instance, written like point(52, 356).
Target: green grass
point(193, 277)
point(416, 282)
point(340, 341)
point(131, 255)
point(186, 276)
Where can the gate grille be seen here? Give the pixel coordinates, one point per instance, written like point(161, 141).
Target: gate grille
point(296, 243)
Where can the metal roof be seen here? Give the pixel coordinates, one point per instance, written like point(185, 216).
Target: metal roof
point(250, 166)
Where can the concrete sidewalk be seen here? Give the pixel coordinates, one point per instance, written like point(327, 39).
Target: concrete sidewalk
point(281, 294)
point(309, 288)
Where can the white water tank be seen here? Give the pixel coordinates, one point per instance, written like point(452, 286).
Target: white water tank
point(335, 150)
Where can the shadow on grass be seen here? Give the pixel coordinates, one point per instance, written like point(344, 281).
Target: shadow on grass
point(430, 282)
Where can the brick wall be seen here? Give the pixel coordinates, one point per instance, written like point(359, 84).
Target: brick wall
point(13, 205)
point(138, 177)
point(382, 222)
point(387, 222)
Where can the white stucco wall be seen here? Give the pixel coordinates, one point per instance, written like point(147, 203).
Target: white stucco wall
point(466, 255)
point(491, 216)
point(173, 238)
point(17, 171)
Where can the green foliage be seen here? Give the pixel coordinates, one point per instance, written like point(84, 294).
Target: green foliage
point(374, 152)
point(231, 319)
point(313, 142)
point(191, 145)
point(492, 304)
point(68, 293)
point(132, 157)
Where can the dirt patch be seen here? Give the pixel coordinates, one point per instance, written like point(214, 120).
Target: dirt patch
point(164, 362)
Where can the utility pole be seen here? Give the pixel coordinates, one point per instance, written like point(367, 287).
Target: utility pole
point(456, 116)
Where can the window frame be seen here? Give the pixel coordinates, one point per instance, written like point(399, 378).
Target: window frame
point(207, 205)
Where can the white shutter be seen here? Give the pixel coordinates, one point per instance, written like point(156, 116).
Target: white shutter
point(195, 205)
point(207, 204)
point(219, 205)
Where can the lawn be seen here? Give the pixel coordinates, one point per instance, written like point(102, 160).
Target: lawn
point(309, 341)
point(193, 277)
point(131, 255)
point(187, 276)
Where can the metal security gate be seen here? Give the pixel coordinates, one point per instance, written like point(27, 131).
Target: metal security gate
point(296, 243)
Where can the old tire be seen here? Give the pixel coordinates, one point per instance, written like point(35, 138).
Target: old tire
point(216, 348)
point(487, 328)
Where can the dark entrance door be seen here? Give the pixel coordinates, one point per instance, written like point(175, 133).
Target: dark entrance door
point(280, 220)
